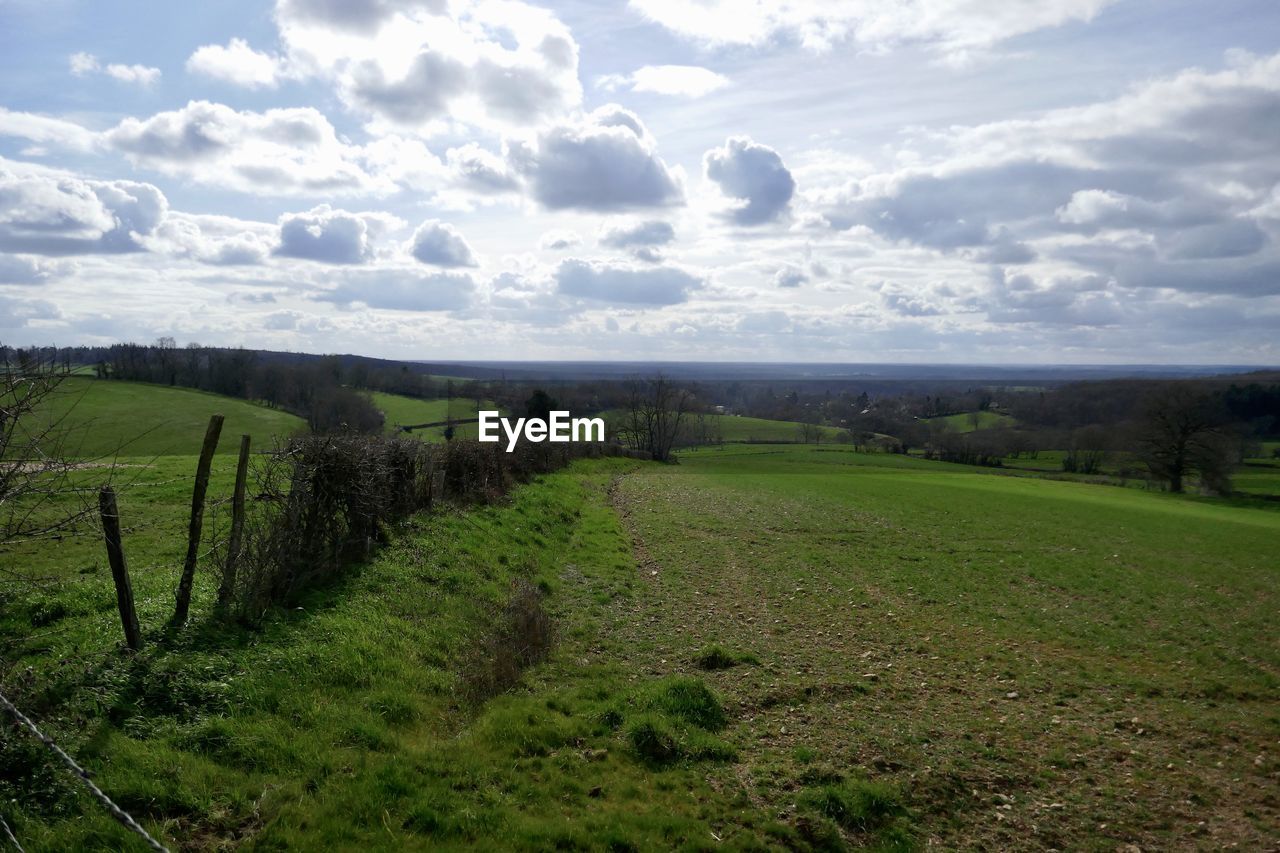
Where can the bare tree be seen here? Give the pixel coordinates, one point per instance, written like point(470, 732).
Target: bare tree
point(34, 468)
point(655, 408)
point(1183, 433)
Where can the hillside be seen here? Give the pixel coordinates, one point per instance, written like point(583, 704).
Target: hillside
point(965, 421)
point(106, 418)
point(400, 410)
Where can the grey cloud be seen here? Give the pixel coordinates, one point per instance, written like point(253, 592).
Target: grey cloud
point(439, 243)
point(481, 171)
point(20, 269)
point(621, 285)
point(605, 164)
point(754, 175)
point(425, 91)
point(1232, 239)
point(649, 233)
point(402, 290)
point(363, 16)
point(326, 235)
point(790, 276)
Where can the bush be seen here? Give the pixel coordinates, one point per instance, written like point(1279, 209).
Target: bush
point(687, 699)
point(522, 636)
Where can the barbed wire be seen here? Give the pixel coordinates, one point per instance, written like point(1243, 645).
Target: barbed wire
point(124, 818)
point(12, 838)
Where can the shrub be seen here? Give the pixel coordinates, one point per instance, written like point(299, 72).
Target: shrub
point(687, 699)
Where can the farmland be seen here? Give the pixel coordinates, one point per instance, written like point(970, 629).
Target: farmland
point(898, 652)
point(136, 419)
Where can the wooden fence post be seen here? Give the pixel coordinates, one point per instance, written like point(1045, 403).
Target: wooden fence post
point(227, 587)
point(183, 594)
point(119, 569)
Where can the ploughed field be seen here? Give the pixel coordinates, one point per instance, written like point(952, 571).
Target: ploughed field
point(763, 647)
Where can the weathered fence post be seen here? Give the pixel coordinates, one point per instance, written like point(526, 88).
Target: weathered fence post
point(227, 587)
point(119, 569)
point(183, 594)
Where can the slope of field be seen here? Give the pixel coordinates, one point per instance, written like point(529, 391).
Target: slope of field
point(400, 410)
point(107, 418)
point(900, 654)
point(964, 422)
point(738, 428)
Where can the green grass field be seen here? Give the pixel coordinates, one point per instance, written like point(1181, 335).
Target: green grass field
point(106, 418)
point(401, 410)
point(964, 422)
point(899, 654)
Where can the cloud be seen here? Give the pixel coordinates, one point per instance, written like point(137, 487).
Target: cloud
point(44, 129)
point(238, 64)
point(49, 214)
point(26, 270)
point(86, 63)
point(690, 81)
point(605, 163)
point(420, 64)
point(329, 236)
point(480, 171)
point(790, 276)
point(652, 232)
point(402, 290)
point(623, 285)
point(439, 243)
point(557, 240)
point(215, 240)
point(954, 29)
point(1159, 188)
point(754, 176)
point(293, 151)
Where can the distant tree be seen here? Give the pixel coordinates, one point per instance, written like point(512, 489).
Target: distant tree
point(540, 405)
point(1183, 432)
point(655, 408)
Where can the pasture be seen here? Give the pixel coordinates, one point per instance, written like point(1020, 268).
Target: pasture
point(898, 653)
point(106, 418)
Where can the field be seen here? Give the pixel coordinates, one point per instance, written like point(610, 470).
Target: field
point(899, 653)
point(137, 420)
point(964, 422)
point(400, 410)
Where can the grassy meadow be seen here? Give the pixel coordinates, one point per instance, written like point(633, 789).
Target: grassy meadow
point(760, 648)
point(400, 410)
point(971, 421)
point(135, 419)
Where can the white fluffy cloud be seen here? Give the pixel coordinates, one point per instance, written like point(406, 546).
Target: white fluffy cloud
point(293, 151)
point(50, 214)
point(330, 236)
point(492, 64)
point(237, 63)
point(605, 162)
point(439, 244)
point(690, 81)
point(753, 176)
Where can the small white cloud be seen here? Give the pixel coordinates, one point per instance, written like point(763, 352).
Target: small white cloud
point(237, 63)
point(86, 63)
point(690, 81)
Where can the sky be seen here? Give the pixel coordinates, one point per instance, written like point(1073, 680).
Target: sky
point(925, 181)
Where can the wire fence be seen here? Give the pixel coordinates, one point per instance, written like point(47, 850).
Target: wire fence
point(120, 815)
